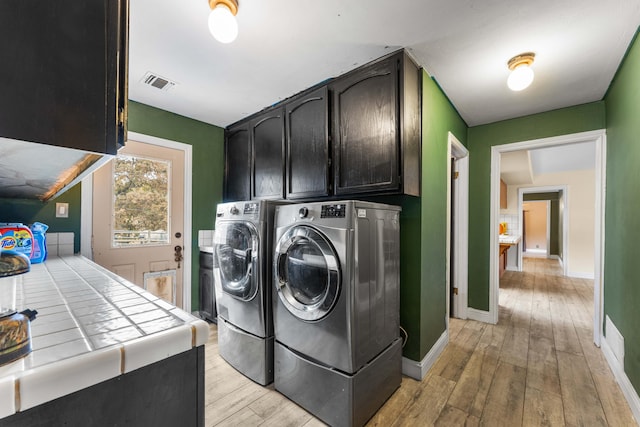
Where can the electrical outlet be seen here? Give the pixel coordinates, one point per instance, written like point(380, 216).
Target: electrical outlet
point(62, 210)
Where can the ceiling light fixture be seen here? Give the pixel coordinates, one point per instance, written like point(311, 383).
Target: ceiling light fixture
point(222, 20)
point(521, 73)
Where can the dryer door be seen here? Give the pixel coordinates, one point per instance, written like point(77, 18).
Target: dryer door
point(236, 251)
point(307, 272)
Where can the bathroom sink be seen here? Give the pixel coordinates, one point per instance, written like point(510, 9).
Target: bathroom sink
point(509, 239)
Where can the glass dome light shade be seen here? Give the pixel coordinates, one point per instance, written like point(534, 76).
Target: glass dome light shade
point(222, 24)
point(520, 78)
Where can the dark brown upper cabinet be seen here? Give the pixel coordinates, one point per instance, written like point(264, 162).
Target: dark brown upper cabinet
point(267, 135)
point(376, 128)
point(359, 134)
point(237, 169)
point(64, 72)
point(307, 137)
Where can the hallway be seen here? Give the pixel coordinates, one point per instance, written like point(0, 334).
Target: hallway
point(538, 366)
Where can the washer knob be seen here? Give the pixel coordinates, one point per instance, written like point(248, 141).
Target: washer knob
point(234, 210)
point(303, 212)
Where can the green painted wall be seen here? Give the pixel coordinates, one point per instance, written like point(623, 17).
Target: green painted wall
point(28, 211)
point(410, 266)
point(208, 167)
point(423, 227)
point(438, 119)
point(622, 209)
point(480, 139)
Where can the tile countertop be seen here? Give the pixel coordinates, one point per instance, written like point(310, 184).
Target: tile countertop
point(92, 325)
point(509, 239)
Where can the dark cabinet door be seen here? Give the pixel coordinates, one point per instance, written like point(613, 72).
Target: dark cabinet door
point(207, 299)
point(63, 73)
point(365, 129)
point(268, 155)
point(207, 290)
point(237, 177)
point(307, 136)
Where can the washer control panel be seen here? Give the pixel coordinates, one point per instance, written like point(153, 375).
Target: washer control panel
point(338, 210)
point(251, 208)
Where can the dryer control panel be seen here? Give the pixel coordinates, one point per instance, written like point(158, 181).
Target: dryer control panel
point(338, 210)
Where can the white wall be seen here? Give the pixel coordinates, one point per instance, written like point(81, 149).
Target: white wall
point(580, 201)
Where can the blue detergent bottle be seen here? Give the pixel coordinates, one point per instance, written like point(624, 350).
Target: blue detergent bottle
point(39, 242)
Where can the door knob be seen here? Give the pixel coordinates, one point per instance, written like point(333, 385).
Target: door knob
point(178, 254)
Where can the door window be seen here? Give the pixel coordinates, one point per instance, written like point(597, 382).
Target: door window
point(308, 273)
point(141, 201)
point(236, 249)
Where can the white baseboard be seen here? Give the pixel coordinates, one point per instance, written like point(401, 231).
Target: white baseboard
point(417, 370)
point(479, 315)
point(625, 384)
point(529, 254)
point(580, 275)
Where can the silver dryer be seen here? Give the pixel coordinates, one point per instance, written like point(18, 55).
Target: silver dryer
point(336, 276)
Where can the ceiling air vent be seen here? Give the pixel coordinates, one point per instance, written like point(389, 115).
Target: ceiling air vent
point(158, 82)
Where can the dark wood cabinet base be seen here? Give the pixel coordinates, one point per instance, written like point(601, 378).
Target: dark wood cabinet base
point(166, 393)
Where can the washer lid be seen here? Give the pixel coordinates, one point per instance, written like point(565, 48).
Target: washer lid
point(307, 273)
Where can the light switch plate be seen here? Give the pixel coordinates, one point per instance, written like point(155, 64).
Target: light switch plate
point(62, 210)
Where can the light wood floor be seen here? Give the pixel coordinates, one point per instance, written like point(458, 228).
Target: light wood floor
point(537, 367)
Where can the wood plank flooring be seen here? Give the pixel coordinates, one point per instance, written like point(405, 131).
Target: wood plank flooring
point(537, 367)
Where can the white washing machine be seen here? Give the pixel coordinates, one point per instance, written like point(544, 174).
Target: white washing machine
point(242, 276)
point(336, 274)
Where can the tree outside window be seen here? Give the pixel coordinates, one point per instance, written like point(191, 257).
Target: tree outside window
point(141, 201)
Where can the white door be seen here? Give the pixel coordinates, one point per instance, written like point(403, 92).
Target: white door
point(138, 223)
point(457, 229)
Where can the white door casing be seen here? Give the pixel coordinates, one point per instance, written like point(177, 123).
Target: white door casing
point(460, 227)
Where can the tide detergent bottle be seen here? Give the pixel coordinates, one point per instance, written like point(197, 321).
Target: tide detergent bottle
point(17, 237)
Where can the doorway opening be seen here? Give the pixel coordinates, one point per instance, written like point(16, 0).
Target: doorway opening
point(557, 222)
point(598, 139)
point(536, 220)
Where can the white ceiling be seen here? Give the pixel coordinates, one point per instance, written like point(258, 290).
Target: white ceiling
point(521, 167)
point(284, 47)
point(571, 157)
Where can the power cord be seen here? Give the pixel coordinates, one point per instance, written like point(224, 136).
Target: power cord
point(405, 336)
